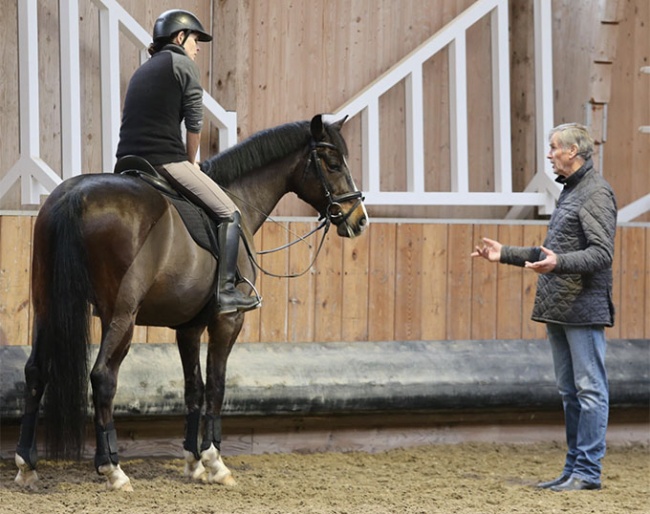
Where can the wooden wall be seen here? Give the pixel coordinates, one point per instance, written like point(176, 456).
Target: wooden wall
point(399, 281)
point(288, 59)
point(284, 60)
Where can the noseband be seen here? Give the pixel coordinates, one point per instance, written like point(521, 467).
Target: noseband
point(334, 211)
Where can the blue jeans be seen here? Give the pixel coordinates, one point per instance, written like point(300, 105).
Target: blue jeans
point(579, 361)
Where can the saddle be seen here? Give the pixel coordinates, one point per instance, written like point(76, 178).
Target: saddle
point(201, 227)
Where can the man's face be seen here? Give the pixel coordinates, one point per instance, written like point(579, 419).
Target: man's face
point(561, 158)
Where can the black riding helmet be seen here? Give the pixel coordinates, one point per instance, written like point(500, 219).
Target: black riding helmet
point(171, 22)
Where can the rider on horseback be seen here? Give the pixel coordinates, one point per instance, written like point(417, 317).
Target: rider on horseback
point(162, 92)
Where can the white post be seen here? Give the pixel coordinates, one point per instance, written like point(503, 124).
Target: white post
point(370, 142)
point(458, 114)
point(414, 131)
point(501, 99)
point(70, 89)
point(543, 81)
point(110, 85)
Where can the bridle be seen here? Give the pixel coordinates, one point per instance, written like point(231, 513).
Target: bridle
point(332, 214)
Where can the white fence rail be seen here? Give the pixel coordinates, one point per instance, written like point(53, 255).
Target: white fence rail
point(36, 176)
point(542, 192)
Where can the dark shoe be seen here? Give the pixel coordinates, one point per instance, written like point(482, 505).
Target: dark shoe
point(236, 301)
point(231, 299)
point(576, 484)
point(559, 480)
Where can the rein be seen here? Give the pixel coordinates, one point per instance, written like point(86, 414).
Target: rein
point(325, 223)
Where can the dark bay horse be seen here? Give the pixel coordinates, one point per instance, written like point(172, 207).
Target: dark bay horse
point(115, 244)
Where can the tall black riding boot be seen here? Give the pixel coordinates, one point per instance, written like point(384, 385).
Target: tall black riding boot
point(231, 299)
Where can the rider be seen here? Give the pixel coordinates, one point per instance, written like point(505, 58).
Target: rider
point(162, 92)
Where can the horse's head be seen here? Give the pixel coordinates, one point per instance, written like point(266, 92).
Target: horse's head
point(327, 184)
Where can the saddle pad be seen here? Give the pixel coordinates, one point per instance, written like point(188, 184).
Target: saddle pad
point(200, 226)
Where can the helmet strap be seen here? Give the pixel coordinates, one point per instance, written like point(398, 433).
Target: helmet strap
point(186, 34)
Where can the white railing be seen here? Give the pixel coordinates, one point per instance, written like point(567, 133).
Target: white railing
point(542, 192)
point(36, 176)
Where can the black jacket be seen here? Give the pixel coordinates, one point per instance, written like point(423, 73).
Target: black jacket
point(162, 92)
point(581, 232)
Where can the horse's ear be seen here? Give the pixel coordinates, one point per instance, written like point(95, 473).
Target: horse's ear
point(317, 129)
point(338, 124)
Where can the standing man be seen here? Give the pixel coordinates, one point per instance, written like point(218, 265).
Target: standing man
point(574, 299)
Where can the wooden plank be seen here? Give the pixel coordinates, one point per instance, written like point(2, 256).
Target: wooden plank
point(459, 303)
point(434, 282)
point(273, 317)
point(509, 290)
point(301, 289)
point(381, 281)
point(600, 80)
point(633, 246)
point(612, 11)
point(484, 288)
point(354, 321)
point(160, 335)
point(15, 268)
point(533, 236)
point(606, 42)
point(329, 290)
point(522, 80)
point(408, 286)
point(646, 316)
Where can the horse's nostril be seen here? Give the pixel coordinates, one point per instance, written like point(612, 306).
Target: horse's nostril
point(363, 221)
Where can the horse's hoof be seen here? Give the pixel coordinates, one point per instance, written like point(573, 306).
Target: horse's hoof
point(228, 481)
point(194, 469)
point(27, 476)
point(217, 471)
point(116, 479)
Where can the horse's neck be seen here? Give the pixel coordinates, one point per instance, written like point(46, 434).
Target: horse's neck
point(259, 191)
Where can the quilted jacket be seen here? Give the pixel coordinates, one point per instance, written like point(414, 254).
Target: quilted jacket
point(581, 232)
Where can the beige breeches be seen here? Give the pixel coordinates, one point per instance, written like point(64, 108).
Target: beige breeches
point(199, 187)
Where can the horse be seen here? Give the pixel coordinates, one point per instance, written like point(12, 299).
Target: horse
point(113, 246)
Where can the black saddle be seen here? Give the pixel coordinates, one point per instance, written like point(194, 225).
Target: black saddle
point(201, 227)
point(142, 168)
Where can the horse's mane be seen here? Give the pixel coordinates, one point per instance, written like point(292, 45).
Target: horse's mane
point(262, 148)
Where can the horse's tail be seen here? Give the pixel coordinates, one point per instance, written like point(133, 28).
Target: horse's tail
point(62, 291)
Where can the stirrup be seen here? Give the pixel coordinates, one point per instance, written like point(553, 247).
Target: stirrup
point(239, 302)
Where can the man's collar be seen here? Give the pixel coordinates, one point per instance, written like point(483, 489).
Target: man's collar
point(576, 176)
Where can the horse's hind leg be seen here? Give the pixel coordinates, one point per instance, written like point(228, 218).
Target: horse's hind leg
point(116, 341)
point(26, 454)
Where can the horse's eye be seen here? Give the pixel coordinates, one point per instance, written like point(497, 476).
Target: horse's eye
point(334, 166)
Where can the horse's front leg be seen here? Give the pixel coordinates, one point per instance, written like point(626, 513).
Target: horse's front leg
point(223, 331)
point(116, 341)
point(189, 346)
